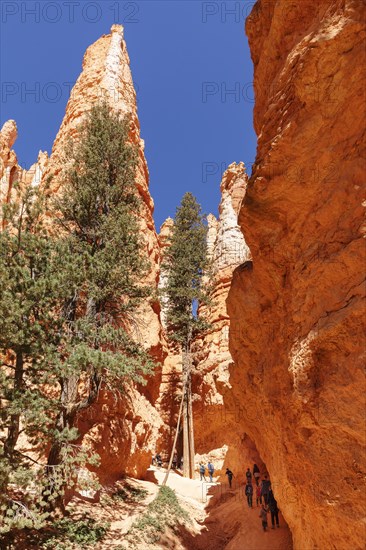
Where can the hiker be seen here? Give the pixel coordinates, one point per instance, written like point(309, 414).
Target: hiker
point(259, 495)
point(256, 473)
point(202, 472)
point(229, 475)
point(159, 460)
point(249, 494)
point(273, 508)
point(211, 469)
point(175, 460)
point(248, 474)
point(263, 515)
point(265, 487)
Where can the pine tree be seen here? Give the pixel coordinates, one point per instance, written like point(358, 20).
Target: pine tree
point(98, 213)
point(68, 302)
point(186, 265)
point(30, 297)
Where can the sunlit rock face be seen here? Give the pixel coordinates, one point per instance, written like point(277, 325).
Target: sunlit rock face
point(13, 178)
point(215, 414)
point(10, 171)
point(297, 312)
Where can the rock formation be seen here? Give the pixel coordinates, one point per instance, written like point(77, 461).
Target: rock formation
point(106, 76)
point(215, 412)
point(11, 172)
point(297, 312)
point(123, 430)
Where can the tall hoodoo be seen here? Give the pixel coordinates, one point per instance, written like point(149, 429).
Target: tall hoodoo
point(106, 76)
point(211, 383)
point(297, 317)
point(124, 432)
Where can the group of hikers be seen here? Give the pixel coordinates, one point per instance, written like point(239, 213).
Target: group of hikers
point(158, 461)
point(210, 469)
point(264, 497)
point(262, 490)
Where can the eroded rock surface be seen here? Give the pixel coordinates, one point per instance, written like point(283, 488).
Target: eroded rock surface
point(297, 313)
point(215, 412)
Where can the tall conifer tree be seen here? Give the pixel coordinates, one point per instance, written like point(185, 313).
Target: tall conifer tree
point(68, 302)
point(186, 265)
point(98, 212)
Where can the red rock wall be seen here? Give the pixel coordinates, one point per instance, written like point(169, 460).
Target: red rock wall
point(297, 313)
point(215, 411)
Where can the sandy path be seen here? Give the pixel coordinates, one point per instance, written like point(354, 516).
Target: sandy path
point(225, 521)
point(221, 519)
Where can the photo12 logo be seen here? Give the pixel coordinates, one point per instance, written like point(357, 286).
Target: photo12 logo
point(226, 12)
point(53, 92)
point(225, 91)
point(69, 11)
point(211, 168)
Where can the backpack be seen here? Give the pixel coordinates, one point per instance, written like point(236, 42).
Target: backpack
point(248, 490)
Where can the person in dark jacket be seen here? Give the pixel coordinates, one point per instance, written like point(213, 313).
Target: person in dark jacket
point(249, 494)
point(230, 476)
point(248, 475)
point(265, 487)
point(273, 508)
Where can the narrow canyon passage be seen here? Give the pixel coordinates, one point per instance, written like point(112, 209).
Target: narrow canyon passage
point(224, 519)
point(274, 376)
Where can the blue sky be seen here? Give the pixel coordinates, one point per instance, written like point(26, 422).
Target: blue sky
point(191, 64)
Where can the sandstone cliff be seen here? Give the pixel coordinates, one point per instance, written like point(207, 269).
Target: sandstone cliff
point(297, 312)
point(215, 410)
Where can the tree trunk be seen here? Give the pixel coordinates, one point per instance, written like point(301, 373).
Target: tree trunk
point(176, 432)
point(188, 433)
point(13, 430)
point(190, 425)
point(186, 449)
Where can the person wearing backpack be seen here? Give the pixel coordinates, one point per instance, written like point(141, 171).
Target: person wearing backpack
point(249, 494)
point(202, 472)
point(211, 470)
point(273, 508)
point(265, 487)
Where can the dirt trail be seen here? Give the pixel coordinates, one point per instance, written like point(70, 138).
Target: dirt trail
point(220, 517)
point(227, 521)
